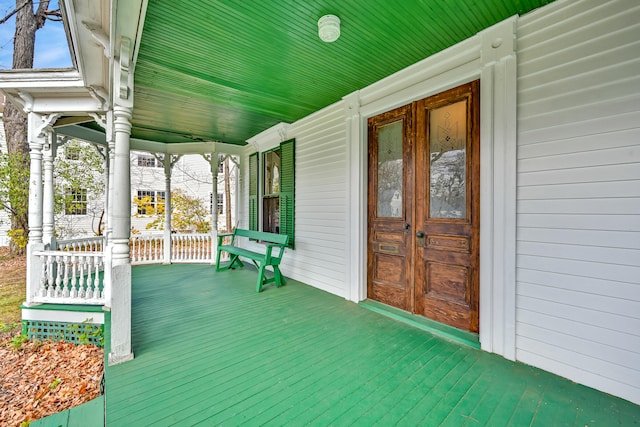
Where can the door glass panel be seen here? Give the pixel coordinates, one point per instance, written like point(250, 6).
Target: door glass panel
point(448, 170)
point(390, 170)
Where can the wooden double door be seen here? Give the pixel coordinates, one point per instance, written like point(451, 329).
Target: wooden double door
point(423, 207)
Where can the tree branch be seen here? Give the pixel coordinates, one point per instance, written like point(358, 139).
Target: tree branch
point(16, 10)
point(41, 13)
point(53, 15)
point(7, 208)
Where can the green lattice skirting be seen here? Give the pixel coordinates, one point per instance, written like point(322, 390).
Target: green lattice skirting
point(77, 333)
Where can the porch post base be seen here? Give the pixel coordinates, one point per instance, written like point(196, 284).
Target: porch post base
point(116, 359)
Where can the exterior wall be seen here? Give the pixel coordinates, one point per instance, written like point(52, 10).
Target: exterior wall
point(578, 223)
point(320, 256)
point(321, 229)
point(574, 308)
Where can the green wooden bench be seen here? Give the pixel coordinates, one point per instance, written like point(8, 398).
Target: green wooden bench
point(261, 260)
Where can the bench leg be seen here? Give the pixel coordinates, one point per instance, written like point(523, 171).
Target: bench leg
point(260, 278)
point(278, 276)
point(237, 261)
point(234, 260)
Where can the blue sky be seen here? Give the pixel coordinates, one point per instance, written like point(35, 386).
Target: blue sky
point(51, 43)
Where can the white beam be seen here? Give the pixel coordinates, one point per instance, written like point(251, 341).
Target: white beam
point(40, 80)
point(75, 104)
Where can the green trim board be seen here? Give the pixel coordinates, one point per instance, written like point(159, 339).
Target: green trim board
point(90, 414)
point(436, 328)
point(65, 307)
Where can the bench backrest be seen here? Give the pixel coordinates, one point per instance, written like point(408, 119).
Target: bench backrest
point(263, 236)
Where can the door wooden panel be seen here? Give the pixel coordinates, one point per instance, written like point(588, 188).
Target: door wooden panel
point(423, 253)
point(447, 207)
point(389, 212)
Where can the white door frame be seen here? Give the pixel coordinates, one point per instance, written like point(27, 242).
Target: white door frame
point(489, 56)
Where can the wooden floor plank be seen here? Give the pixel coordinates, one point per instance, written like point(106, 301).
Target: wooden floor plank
point(211, 351)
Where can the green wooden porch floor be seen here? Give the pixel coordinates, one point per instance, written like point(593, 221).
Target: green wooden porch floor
point(210, 351)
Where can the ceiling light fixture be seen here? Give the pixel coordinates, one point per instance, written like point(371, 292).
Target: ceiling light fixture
point(329, 28)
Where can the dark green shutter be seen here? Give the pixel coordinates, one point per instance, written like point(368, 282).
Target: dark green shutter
point(253, 191)
point(287, 190)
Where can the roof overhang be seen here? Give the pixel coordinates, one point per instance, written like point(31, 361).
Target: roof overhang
point(208, 71)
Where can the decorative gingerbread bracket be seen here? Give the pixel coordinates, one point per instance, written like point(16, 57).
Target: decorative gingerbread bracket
point(46, 125)
point(125, 64)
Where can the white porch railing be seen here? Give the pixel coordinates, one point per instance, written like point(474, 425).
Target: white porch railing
point(70, 277)
point(191, 248)
point(73, 272)
point(185, 248)
point(82, 244)
point(146, 248)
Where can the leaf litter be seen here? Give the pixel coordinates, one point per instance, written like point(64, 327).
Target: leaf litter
point(43, 378)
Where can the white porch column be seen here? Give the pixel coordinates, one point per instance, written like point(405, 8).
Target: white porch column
point(214, 164)
point(167, 207)
point(36, 143)
point(38, 126)
point(106, 177)
point(48, 156)
point(34, 267)
point(122, 186)
point(119, 247)
point(111, 150)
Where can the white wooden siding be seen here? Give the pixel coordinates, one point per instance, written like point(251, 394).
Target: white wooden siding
point(320, 255)
point(578, 207)
point(321, 177)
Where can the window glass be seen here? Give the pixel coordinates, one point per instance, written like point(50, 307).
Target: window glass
point(76, 201)
point(148, 161)
point(390, 170)
point(448, 164)
point(271, 200)
point(272, 172)
point(150, 202)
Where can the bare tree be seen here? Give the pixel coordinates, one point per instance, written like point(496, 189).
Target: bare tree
point(28, 22)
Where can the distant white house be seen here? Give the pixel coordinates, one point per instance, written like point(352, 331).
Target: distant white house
point(190, 174)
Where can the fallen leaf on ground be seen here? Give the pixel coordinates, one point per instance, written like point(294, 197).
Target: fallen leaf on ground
point(26, 376)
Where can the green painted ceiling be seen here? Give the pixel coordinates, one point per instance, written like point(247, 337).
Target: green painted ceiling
point(227, 70)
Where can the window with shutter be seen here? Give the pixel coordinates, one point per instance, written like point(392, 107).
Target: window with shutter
point(277, 193)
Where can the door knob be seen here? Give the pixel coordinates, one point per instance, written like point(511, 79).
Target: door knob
point(406, 226)
point(419, 234)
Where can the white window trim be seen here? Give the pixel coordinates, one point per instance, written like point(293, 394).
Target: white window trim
point(265, 141)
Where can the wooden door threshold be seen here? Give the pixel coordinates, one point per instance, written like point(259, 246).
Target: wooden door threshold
point(440, 329)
